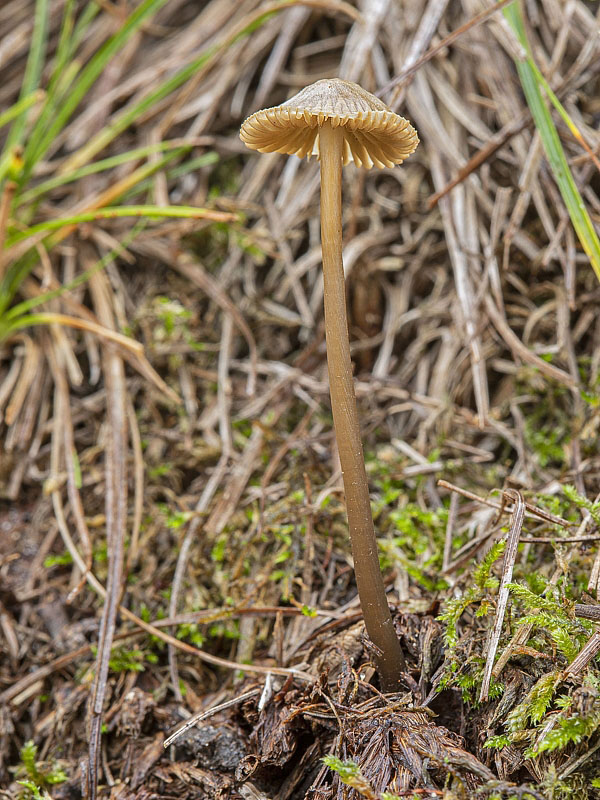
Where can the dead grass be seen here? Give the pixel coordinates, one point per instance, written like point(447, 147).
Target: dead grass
point(192, 486)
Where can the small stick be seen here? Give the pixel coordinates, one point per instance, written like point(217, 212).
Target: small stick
point(523, 633)
point(560, 539)
point(497, 141)
point(587, 611)
point(445, 42)
point(588, 652)
point(189, 723)
point(512, 543)
point(452, 512)
point(571, 765)
point(531, 510)
point(594, 581)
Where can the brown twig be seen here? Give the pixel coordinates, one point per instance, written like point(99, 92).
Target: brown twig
point(116, 523)
point(445, 42)
point(531, 510)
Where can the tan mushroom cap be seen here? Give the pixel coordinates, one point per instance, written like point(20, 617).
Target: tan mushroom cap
point(373, 134)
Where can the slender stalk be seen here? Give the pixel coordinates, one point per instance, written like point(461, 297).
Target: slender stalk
point(371, 591)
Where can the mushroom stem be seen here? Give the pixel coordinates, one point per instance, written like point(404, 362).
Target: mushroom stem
point(371, 590)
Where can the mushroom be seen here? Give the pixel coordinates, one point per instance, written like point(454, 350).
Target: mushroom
point(340, 122)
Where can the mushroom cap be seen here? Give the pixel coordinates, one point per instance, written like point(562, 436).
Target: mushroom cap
point(373, 134)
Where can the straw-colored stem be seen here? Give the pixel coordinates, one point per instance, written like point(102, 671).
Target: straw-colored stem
point(378, 621)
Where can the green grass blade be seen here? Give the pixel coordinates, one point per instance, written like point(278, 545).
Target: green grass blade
point(173, 173)
point(560, 108)
point(64, 72)
point(51, 317)
point(33, 70)
point(520, 31)
point(20, 309)
point(10, 162)
point(56, 94)
point(18, 271)
point(102, 166)
point(532, 87)
point(114, 212)
point(92, 71)
point(90, 12)
point(21, 106)
point(65, 41)
point(14, 277)
point(132, 180)
point(129, 115)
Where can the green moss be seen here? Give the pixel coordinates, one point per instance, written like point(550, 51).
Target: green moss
point(482, 581)
point(36, 776)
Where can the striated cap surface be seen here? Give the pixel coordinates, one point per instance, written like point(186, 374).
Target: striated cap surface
point(373, 135)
